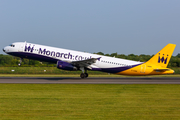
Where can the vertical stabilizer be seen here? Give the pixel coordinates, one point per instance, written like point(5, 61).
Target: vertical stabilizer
point(163, 56)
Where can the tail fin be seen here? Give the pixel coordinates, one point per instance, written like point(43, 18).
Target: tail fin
point(163, 56)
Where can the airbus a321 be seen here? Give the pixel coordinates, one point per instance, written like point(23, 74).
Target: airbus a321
point(75, 60)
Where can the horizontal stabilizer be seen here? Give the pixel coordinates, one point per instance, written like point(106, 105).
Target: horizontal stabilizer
point(163, 69)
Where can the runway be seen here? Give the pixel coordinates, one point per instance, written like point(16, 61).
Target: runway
point(71, 80)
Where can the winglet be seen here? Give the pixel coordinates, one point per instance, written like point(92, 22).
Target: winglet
point(98, 58)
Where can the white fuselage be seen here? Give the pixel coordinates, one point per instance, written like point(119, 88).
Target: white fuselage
point(53, 54)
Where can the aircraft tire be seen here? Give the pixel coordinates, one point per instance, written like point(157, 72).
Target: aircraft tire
point(82, 75)
point(86, 75)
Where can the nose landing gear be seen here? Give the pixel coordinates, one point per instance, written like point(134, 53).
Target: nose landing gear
point(20, 62)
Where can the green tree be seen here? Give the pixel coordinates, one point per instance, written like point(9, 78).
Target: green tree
point(5, 60)
point(114, 54)
point(100, 53)
point(122, 56)
point(178, 55)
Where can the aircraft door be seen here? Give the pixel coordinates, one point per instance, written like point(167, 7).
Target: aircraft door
point(21, 47)
point(143, 68)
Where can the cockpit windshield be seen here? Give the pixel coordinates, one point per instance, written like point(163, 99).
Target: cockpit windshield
point(12, 45)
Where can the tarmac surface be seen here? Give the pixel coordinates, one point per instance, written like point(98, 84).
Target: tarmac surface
point(74, 80)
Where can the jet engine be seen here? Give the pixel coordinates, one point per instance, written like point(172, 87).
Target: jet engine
point(65, 66)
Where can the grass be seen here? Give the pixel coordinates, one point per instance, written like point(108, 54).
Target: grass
point(40, 70)
point(78, 75)
point(80, 101)
point(51, 70)
point(54, 72)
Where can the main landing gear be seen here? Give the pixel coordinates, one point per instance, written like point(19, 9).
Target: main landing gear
point(83, 75)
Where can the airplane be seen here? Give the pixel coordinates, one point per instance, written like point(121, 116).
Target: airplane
point(74, 60)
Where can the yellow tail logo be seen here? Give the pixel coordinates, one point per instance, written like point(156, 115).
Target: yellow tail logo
point(162, 58)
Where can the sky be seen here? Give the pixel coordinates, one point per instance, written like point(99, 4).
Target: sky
point(108, 26)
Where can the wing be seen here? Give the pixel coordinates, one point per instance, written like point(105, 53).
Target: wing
point(85, 63)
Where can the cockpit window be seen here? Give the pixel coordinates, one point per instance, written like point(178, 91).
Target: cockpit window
point(12, 45)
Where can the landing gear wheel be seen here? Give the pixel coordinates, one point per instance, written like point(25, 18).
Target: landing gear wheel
point(82, 75)
point(86, 75)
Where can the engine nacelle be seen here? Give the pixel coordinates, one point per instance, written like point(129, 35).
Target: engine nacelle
point(65, 66)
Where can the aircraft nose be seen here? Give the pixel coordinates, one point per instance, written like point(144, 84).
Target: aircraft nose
point(4, 49)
